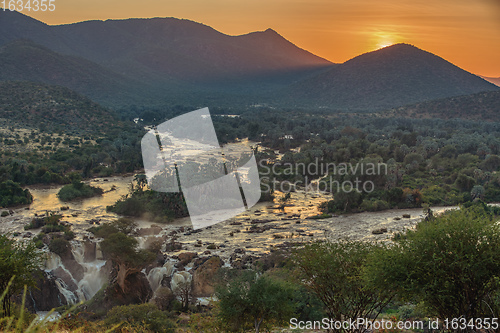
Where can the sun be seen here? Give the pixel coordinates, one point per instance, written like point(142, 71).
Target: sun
point(384, 43)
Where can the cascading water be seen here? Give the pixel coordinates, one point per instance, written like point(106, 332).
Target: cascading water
point(157, 274)
point(92, 281)
point(180, 279)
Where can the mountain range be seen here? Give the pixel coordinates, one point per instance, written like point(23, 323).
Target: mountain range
point(168, 61)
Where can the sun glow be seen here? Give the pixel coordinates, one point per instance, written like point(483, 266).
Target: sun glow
point(383, 44)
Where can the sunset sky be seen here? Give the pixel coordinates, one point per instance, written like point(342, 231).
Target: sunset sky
point(465, 32)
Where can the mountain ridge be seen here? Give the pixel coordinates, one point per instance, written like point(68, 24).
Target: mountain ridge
point(165, 61)
point(397, 75)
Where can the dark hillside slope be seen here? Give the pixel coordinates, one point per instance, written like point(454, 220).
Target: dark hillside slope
point(397, 75)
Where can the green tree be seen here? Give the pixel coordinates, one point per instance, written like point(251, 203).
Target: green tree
point(122, 250)
point(252, 299)
point(334, 272)
point(19, 260)
point(451, 263)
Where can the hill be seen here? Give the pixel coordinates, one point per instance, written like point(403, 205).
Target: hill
point(166, 62)
point(393, 76)
point(23, 60)
point(483, 106)
point(159, 47)
point(35, 105)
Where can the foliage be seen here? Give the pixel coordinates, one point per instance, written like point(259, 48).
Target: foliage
point(255, 300)
point(122, 250)
point(11, 194)
point(123, 225)
point(139, 316)
point(450, 263)
point(334, 273)
point(59, 246)
point(18, 262)
point(155, 206)
point(78, 190)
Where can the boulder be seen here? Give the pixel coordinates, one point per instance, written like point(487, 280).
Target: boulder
point(89, 253)
point(44, 296)
point(186, 257)
point(153, 230)
point(203, 284)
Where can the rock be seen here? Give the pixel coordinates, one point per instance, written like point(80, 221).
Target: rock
point(44, 296)
point(212, 247)
point(89, 253)
point(76, 270)
point(203, 284)
point(27, 235)
point(379, 231)
point(186, 257)
point(406, 216)
point(153, 230)
point(173, 246)
point(60, 273)
point(239, 250)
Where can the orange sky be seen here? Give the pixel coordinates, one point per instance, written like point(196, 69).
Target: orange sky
point(465, 32)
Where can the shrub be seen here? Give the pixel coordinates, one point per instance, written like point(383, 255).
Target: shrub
point(59, 246)
point(334, 273)
point(77, 190)
point(138, 315)
point(451, 263)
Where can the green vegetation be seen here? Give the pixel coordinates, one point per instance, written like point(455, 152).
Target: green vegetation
point(122, 249)
point(11, 194)
point(78, 190)
point(153, 205)
point(450, 263)
point(18, 262)
point(254, 300)
point(334, 273)
point(141, 316)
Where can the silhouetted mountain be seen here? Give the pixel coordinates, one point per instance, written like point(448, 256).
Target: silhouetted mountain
point(26, 61)
point(39, 105)
point(159, 47)
point(396, 75)
point(494, 80)
point(160, 61)
point(483, 106)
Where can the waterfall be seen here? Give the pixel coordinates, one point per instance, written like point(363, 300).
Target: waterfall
point(92, 281)
point(157, 274)
point(180, 278)
point(63, 289)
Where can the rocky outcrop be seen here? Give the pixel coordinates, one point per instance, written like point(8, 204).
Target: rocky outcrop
point(185, 258)
point(44, 296)
point(90, 251)
point(203, 277)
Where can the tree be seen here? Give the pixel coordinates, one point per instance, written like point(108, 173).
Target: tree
point(122, 250)
point(18, 260)
point(252, 299)
point(334, 272)
point(451, 263)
